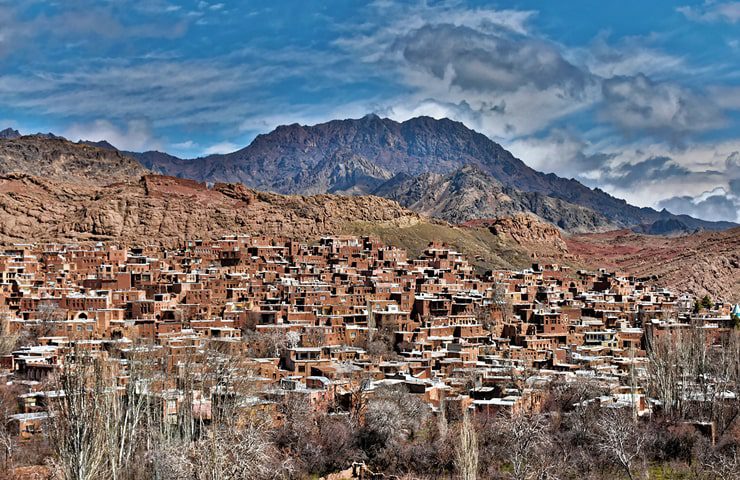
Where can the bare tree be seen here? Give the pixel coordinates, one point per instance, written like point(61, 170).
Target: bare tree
point(212, 435)
point(622, 441)
point(76, 426)
point(525, 443)
point(394, 413)
point(722, 463)
point(231, 452)
point(8, 341)
point(6, 436)
point(693, 378)
point(270, 343)
point(125, 419)
point(467, 450)
point(170, 462)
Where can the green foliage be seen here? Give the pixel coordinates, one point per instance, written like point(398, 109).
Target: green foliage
point(664, 471)
point(706, 302)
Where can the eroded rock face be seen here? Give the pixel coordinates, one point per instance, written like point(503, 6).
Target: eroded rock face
point(538, 237)
point(59, 159)
point(168, 210)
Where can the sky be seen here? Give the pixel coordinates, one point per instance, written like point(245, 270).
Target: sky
point(638, 98)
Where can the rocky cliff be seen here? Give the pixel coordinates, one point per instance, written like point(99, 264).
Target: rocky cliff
point(167, 210)
point(541, 240)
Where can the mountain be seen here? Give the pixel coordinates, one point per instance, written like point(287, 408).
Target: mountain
point(54, 157)
point(104, 144)
point(439, 168)
point(665, 226)
point(9, 134)
point(469, 193)
point(162, 162)
point(359, 156)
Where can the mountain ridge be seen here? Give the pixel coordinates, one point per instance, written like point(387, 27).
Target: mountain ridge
point(469, 193)
point(300, 159)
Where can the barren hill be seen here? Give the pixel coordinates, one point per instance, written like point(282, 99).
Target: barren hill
point(56, 158)
point(168, 210)
point(707, 262)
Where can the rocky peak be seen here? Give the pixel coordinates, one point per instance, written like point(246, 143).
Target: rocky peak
point(9, 134)
point(104, 144)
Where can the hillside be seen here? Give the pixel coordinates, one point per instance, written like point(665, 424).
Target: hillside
point(706, 262)
point(55, 158)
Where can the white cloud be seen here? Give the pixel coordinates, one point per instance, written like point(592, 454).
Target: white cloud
point(136, 136)
point(169, 92)
point(713, 11)
point(728, 97)
point(716, 204)
point(561, 152)
point(186, 145)
point(626, 57)
point(501, 83)
point(503, 79)
point(221, 148)
point(692, 170)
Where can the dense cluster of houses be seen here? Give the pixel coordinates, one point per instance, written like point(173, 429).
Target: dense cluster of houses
point(321, 322)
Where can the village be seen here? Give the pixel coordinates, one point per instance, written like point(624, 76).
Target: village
point(328, 323)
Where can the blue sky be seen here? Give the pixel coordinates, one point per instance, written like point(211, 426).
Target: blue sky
point(641, 99)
